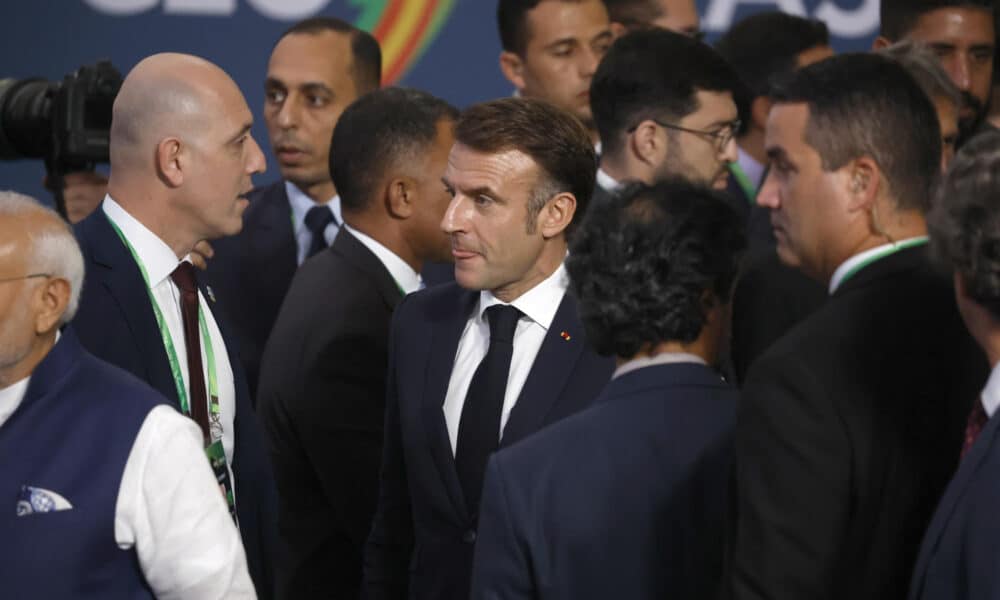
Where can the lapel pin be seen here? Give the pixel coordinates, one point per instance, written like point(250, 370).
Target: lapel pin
point(565, 336)
point(211, 294)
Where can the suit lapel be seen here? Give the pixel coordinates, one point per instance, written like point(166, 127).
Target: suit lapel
point(273, 241)
point(955, 491)
point(552, 367)
point(116, 270)
point(445, 335)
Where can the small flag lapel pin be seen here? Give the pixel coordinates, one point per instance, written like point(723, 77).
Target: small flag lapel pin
point(566, 336)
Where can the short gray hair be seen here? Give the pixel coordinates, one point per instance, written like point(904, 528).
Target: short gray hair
point(54, 249)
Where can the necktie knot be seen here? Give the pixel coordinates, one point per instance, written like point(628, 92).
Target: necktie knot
point(183, 276)
point(318, 218)
point(503, 322)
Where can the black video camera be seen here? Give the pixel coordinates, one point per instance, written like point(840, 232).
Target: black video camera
point(65, 123)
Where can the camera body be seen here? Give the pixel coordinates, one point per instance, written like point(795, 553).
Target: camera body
point(65, 123)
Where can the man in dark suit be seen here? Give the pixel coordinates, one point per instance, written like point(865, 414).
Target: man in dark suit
point(663, 104)
point(317, 68)
point(958, 558)
point(322, 387)
point(850, 425)
point(181, 162)
point(486, 362)
point(627, 498)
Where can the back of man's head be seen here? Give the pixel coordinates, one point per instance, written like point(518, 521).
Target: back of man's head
point(642, 267)
point(766, 45)
point(382, 132)
point(868, 105)
point(897, 18)
point(554, 139)
point(366, 67)
point(964, 224)
point(653, 74)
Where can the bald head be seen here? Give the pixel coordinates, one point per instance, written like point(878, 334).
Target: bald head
point(165, 95)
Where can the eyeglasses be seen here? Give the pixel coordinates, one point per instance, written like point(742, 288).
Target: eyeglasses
point(30, 276)
point(721, 136)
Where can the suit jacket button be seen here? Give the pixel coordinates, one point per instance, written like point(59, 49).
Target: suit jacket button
point(469, 536)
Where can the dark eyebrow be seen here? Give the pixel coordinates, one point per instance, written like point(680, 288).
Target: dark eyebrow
point(243, 131)
point(316, 86)
point(776, 153)
point(600, 36)
point(479, 191)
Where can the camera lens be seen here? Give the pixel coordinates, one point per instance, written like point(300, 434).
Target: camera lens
point(25, 118)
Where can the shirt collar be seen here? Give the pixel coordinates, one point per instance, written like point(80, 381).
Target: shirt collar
point(157, 258)
point(751, 168)
point(607, 182)
point(301, 204)
point(860, 259)
point(539, 304)
point(406, 278)
point(991, 393)
point(663, 358)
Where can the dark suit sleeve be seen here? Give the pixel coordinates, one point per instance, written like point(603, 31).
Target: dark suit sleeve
point(792, 484)
point(390, 544)
point(500, 570)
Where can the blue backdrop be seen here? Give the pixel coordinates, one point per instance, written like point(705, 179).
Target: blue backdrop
point(448, 47)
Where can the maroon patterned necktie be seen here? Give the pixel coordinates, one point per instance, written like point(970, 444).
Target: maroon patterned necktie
point(183, 276)
point(977, 420)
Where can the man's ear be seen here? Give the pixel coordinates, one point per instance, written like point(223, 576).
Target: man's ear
point(512, 67)
point(52, 298)
point(646, 143)
point(400, 197)
point(881, 42)
point(864, 182)
point(557, 214)
point(170, 161)
point(759, 109)
point(617, 29)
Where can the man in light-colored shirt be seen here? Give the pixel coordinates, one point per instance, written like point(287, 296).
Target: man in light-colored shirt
point(486, 362)
point(322, 387)
point(181, 161)
point(149, 512)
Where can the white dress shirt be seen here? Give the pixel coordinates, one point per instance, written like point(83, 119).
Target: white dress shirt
point(406, 278)
point(539, 305)
point(868, 255)
point(300, 206)
point(169, 508)
point(991, 393)
point(663, 358)
point(160, 261)
point(607, 182)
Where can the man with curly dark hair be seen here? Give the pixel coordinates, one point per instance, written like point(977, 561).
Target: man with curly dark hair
point(626, 499)
point(959, 554)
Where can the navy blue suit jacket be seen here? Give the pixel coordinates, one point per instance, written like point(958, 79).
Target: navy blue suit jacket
point(115, 322)
point(624, 500)
point(252, 271)
point(422, 538)
point(959, 556)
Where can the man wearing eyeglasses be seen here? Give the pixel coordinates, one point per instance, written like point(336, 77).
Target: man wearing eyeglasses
point(104, 489)
point(663, 105)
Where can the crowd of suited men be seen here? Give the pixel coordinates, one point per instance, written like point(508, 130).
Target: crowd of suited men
point(672, 321)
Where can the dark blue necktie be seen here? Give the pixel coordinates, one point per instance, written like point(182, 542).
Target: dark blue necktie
point(317, 219)
point(479, 427)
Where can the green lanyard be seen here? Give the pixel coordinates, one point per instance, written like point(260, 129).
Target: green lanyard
point(749, 189)
point(910, 243)
point(168, 342)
